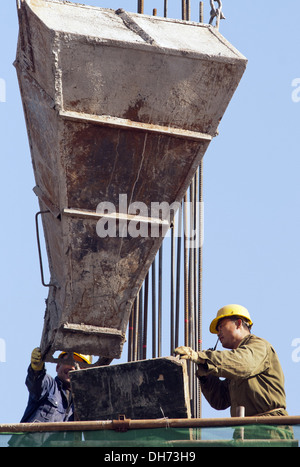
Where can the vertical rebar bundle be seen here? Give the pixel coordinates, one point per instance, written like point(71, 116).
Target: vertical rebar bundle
point(173, 292)
point(177, 319)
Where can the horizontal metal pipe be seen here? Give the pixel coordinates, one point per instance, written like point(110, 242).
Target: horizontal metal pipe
point(156, 423)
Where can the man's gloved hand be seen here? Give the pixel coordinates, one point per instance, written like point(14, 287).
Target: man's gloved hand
point(37, 363)
point(186, 353)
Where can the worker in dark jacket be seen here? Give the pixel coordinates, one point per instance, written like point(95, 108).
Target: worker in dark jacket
point(50, 399)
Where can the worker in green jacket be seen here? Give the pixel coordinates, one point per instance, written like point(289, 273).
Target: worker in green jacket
point(253, 375)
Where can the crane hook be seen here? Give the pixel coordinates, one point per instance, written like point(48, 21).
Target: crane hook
point(216, 13)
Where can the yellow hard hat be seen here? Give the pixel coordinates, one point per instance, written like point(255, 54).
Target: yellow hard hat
point(226, 312)
point(79, 357)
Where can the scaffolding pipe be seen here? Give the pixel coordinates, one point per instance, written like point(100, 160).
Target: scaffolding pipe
point(142, 424)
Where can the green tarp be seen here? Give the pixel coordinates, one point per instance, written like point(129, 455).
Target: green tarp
point(166, 438)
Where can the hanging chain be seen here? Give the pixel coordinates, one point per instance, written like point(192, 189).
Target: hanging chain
point(216, 13)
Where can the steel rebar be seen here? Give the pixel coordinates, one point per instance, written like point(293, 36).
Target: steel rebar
point(153, 310)
point(141, 6)
point(160, 273)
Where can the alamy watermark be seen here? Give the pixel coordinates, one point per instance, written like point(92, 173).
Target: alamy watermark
point(2, 351)
point(296, 351)
point(2, 90)
point(139, 220)
point(296, 91)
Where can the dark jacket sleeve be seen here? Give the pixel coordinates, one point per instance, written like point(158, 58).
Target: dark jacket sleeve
point(38, 383)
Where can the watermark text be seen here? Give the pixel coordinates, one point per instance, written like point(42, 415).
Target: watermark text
point(296, 351)
point(2, 351)
point(2, 90)
point(296, 91)
point(139, 220)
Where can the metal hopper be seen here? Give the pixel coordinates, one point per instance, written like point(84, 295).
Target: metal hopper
point(115, 104)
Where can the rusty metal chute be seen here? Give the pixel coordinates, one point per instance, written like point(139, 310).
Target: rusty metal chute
point(115, 104)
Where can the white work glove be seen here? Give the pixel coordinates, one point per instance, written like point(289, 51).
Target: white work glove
point(186, 353)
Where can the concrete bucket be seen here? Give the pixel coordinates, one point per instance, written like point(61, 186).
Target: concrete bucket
point(120, 108)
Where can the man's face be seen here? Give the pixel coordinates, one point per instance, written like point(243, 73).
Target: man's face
point(229, 333)
point(63, 371)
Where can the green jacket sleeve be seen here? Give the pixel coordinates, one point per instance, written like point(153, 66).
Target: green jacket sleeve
point(248, 360)
point(215, 391)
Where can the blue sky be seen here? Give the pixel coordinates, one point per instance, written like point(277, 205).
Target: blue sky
point(251, 194)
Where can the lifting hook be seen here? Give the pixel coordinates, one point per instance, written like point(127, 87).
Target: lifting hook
point(216, 13)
